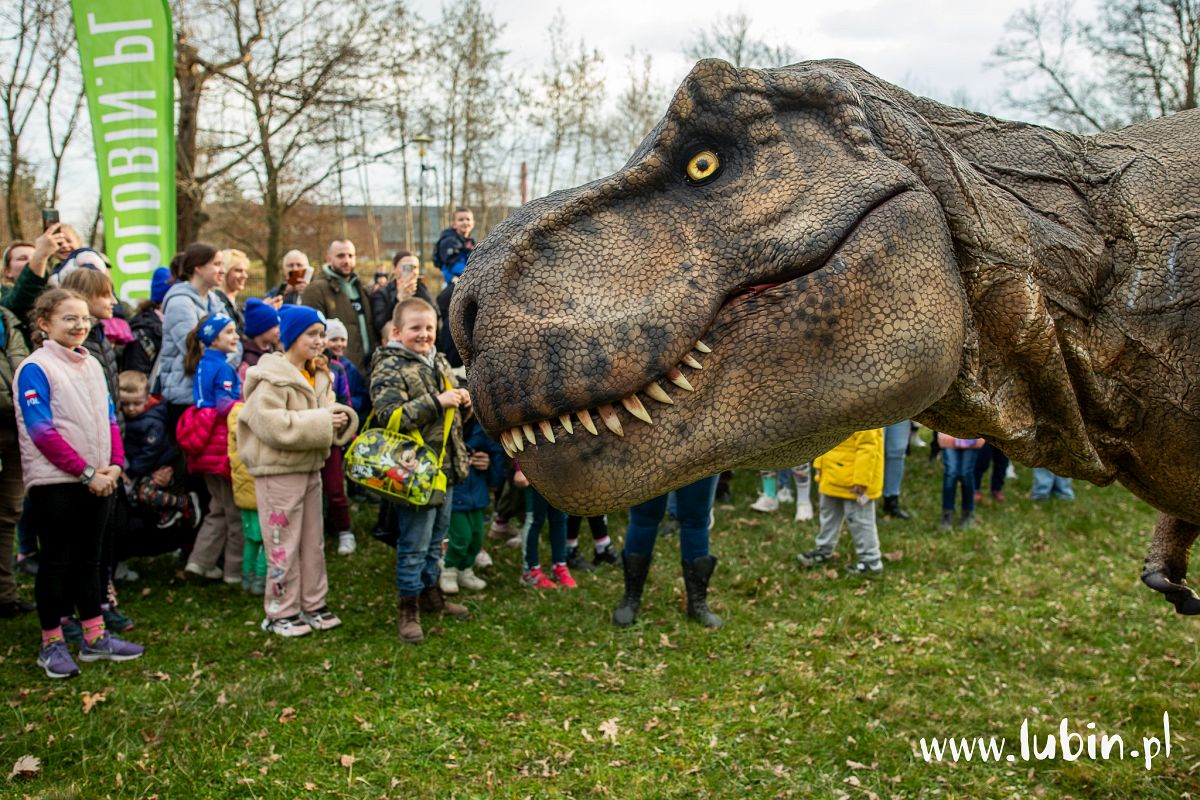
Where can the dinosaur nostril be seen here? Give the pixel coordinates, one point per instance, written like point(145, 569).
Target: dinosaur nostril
point(469, 312)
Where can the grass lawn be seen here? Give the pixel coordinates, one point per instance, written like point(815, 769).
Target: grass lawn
point(819, 685)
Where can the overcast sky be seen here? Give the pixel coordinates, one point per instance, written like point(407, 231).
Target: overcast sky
point(938, 48)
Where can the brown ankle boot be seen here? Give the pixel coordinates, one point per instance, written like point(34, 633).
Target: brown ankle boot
point(433, 601)
point(410, 621)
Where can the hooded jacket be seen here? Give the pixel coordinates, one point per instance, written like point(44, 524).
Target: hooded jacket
point(287, 425)
point(183, 309)
point(858, 461)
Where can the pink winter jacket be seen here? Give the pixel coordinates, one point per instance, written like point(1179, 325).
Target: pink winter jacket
point(203, 436)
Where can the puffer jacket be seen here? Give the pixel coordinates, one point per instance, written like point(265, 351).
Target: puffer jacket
point(400, 380)
point(286, 426)
point(243, 483)
point(13, 351)
point(204, 438)
point(147, 445)
point(141, 353)
point(182, 310)
point(858, 461)
point(474, 494)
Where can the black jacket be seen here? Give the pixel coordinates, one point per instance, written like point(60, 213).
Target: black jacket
point(147, 446)
point(102, 350)
point(141, 353)
point(383, 303)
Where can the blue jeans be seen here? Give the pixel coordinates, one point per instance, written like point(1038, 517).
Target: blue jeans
point(695, 504)
point(989, 455)
point(420, 535)
point(959, 467)
point(895, 449)
point(1046, 483)
point(543, 511)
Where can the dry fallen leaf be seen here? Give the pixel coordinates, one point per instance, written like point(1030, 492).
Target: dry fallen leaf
point(609, 729)
point(309, 786)
point(288, 715)
point(90, 700)
point(222, 699)
point(348, 760)
point(26, 767)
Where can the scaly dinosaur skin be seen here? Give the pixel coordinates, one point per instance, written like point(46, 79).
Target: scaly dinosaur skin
point(861, 256)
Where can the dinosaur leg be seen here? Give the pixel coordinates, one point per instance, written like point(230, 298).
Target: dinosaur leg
point(1166, 562)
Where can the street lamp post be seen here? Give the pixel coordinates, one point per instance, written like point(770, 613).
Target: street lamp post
point(421, 139)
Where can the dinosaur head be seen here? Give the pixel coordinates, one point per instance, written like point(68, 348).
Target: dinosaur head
point(759, 281)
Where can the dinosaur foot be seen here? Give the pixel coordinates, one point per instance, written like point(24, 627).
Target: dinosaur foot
point(1179, 593)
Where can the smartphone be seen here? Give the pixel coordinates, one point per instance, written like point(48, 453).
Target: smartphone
point(49, 217)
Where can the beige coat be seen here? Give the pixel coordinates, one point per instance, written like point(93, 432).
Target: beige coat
point(287, 426)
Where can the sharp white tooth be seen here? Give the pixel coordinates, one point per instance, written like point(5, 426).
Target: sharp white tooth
point(691, 362)
point(544, 427)
point(506, 441)
point(608, 415)
point(656, 392)
point(635, 407)
point(518, 441)
point(702, 347)
point(525, 426)
point(585, 419)
point(676, 377)
point(565, 421)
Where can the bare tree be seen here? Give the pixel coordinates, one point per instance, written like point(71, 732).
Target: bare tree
point(730, 38)
point(1138, 60)
point(640, 105)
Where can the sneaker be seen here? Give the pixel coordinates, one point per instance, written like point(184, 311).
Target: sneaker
point(947, 521)
point(258, 585)
point(449, 580)
point(515, 541)
point(968, 521)
point(194, 512)
point(27, 564)
point(467, 579)
point(998, 496)
point(765, 505)
point(804, 512)
point(115, 621)
point(577, 562)
point(57, 661)
point(167, 519)
point(606, 556)
point(562, 574)
point(483, 560)
point(346, 543)
point(864, 569)
point(978, 496)
point(213, 573)
point(813, 558)
point(109, 648)
point(15, 608)
point(785, 496)
point(500, 530)
point(321, 619)
point(915, 440)
point(287, 626)
point(537, 579)
point(1010, 474)
point(72, 630)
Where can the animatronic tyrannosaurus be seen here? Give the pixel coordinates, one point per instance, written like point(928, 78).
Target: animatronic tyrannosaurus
point(798, 253)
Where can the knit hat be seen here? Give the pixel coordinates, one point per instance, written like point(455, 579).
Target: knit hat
point(260, 317)
point(212, 328)
point(295, 320)
point(159, 284)
point(335, 328)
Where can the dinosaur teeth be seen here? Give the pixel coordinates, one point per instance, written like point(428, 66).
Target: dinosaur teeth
point(608, 415)
point(676, 377)
point(656, 392)
point(635, 407)
point(525, 426)
point(585, 419)
point(518, 441)
point(702, 347)
point(565, 421)
point(544, 427)
point(506, 441)
point(691, 362)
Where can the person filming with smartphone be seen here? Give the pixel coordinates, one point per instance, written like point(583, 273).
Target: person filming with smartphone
point(405, 282)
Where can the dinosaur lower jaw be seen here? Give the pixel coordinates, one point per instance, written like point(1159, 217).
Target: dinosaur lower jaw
point(515, 439)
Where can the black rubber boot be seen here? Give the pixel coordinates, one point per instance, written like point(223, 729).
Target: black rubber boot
point(636, 569)
point(695, 580)
point(891, 508)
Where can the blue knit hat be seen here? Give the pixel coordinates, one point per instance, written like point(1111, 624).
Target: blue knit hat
point(212, 328)
point(159, 284)
point(260, 317)
point(295, 320)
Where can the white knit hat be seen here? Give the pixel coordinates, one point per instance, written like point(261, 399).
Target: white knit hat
point(335, 328)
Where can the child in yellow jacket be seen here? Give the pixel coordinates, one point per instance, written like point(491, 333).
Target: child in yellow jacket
point(254, 557)
point(850, 477)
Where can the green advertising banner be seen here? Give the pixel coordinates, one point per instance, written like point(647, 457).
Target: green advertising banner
point(127, 51)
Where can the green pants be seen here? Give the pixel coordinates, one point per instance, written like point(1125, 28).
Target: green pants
point(465, 538)
point(254, 556)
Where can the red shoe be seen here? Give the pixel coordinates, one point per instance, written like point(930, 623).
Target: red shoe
point(998, 497)
point(563, 575)
point(978, 496)
point(537, 579)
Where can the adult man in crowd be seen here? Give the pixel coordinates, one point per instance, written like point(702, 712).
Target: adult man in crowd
point(296, 275)
point(338, 293)
point(404, 283)
point(455, 245)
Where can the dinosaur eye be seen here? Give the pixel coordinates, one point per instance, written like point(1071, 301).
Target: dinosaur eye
point(703, 166)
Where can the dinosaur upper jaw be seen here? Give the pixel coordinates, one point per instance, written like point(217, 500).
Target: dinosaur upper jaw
point(781, 373)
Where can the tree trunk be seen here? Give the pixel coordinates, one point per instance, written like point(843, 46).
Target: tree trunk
point(189, 196)
point(10, 192)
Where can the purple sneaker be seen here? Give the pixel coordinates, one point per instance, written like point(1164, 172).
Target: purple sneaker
point(110, 648)
point(57, 661)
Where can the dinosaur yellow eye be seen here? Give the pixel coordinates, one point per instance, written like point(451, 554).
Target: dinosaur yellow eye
point(703, 166)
